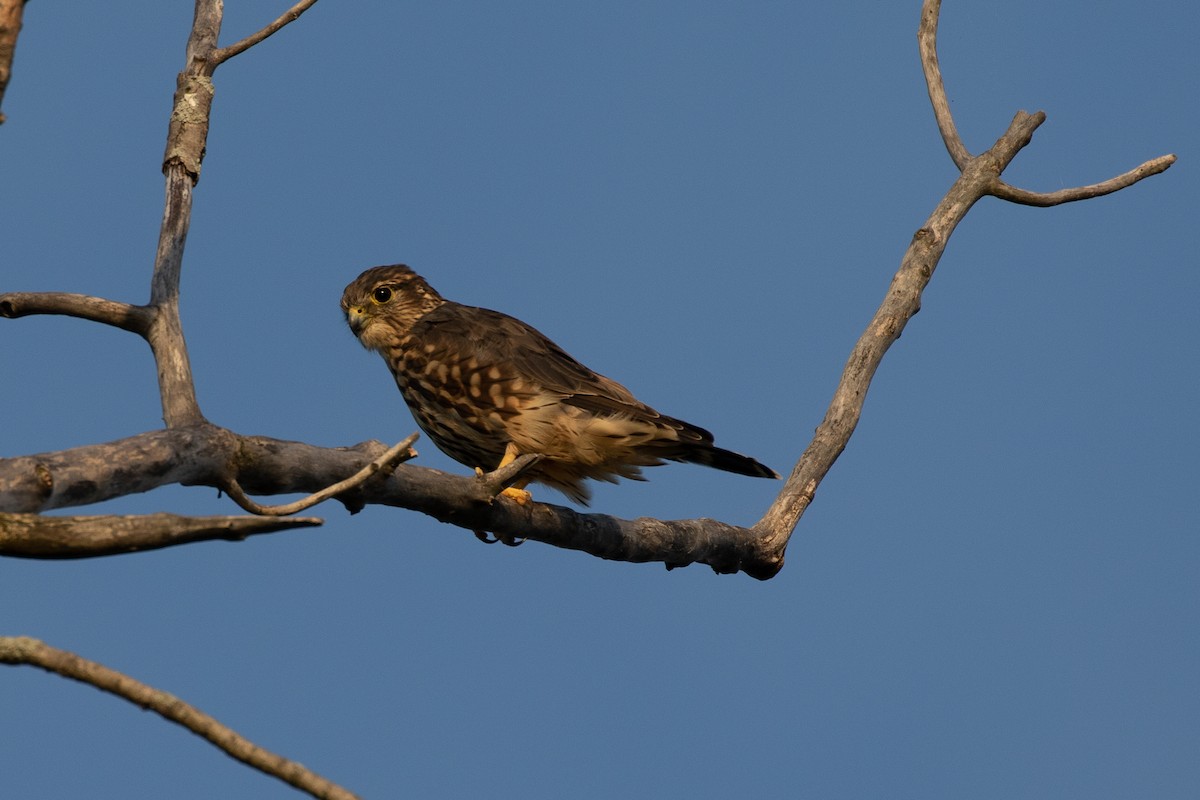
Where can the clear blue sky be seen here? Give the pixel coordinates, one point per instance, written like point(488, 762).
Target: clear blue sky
point(996, 592)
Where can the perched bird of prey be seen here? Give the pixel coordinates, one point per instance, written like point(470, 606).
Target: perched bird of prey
point(487, 388)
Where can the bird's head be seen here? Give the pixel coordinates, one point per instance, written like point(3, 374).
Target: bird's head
point(383, 303)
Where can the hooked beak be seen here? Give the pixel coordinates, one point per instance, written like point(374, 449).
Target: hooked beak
point(356, 319)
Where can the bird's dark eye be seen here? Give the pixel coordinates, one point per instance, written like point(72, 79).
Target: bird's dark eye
point(382, 294)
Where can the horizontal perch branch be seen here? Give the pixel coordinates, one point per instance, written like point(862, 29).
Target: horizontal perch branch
point(136, 319)
point(207, 455)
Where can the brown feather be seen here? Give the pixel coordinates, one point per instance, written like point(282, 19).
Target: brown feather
point(477, 379)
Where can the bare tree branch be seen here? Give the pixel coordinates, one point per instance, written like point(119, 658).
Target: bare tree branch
point(187, 134)
point(22, 650)
point(223, 54)
point(980, 176)
point(38, 536)
point(902, 302)
point(208, 455)
point(1152, 167)
point(136, 319)
point(927, 45)
point(11, 12)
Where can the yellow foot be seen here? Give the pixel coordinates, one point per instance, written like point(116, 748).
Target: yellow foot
point(520, 495)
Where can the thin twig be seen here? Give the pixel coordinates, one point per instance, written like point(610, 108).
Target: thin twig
point(223, 54)
point(498, 480)
point(384, 465)
point(1154, 166)
point(136, 319)
point(23, 650)
point(927, 44)
point(38, 536)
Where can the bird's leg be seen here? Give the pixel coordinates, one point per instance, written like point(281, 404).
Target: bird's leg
point(517, 490)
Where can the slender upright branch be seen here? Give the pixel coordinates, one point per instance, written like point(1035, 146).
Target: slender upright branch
point(186, 138)
point(900, 304)
point(11, 12)
point(927, 45)
point(979, 176)
point(22, 650)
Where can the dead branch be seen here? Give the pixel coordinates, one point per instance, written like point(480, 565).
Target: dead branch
point(980, 175)
point(39, 536)
point(1044, 199)
point(22, 650)
point(927, 45)
point(927, 42)
point(222, 54)
point(135, 319)
point(187, 133)
point(207, 455)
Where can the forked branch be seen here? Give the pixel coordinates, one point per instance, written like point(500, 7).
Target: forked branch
point(927, 42)
point(980, 176)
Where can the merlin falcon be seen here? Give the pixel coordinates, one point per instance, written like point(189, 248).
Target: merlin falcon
point(488, 388)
